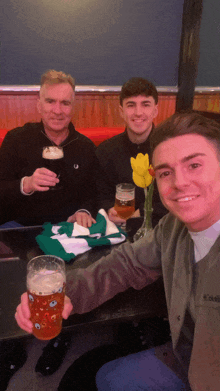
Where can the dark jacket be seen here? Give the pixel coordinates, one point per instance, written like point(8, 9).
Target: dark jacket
point(21, 155)
point(168, 252)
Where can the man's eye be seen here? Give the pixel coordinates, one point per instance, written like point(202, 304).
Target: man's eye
point(194, 165)
point(164, 174)
point(66, 103)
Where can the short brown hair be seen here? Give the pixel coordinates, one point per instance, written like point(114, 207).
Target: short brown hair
point(55, 77)
point(186, 123)
point(138, 86)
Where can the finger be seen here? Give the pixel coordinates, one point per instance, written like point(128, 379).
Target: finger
point(112, 212)
point(82, 219)
point(90, 220)
point(46, 180)
point(70, 219)
point(67, 308)
point(79, 218)
point(23, 314)
point(116, 219)
point(85, 220)
point(24, 324)
point(42, 188)
point(45, 171)
point(25, 306)
point(44, 184)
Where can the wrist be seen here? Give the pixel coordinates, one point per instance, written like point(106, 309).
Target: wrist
point(25, 186)
point(83, 210)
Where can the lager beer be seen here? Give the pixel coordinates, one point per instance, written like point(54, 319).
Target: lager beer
point(125, 200)
point(46, 291)
point(124, 207)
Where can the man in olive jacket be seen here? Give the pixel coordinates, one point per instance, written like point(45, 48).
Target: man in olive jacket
point(184, 249)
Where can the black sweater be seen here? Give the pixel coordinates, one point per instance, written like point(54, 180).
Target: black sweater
point(21, 155)
point(114, 157)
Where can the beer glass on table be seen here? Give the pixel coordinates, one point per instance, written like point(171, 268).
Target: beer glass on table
point(53, 160)
point(125, 201)
point(46, 281)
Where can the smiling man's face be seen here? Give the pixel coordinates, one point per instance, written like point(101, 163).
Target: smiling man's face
point(187, 171)
point(56, 106)
point(138, 113)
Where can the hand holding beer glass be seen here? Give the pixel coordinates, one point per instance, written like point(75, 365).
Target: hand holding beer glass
point(53, 158)
point(125, 201)
point(46, 281)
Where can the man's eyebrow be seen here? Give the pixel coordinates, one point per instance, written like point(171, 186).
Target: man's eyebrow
point(160, 166)
point(48, 98)
point(184, 160)
point(144, 101)
point(66, 101)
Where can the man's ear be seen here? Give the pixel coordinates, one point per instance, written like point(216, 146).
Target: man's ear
point(155, 111)
point(121, 111)
point(38, 106)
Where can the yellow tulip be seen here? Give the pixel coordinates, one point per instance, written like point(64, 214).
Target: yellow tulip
point(140, 164)
point(138, 179)
point(141, 167)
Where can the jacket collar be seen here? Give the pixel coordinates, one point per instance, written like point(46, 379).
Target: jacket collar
point(133, 148)
point(72, 136)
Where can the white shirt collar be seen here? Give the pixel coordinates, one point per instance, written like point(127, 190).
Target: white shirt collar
point(204, 240)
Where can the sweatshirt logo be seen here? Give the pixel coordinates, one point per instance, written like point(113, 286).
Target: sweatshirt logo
point(208, 297)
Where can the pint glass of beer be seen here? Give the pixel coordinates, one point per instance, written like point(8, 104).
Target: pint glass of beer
point(46, 282)
point(125, 200)
point(53, 160)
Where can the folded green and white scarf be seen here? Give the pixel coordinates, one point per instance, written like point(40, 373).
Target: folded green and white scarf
point(66, 240)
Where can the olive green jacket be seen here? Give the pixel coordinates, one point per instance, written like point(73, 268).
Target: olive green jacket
point(169, 252)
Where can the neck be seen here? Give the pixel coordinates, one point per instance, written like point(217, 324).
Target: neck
point(138, 138)
point(57, 138)
point(203, 227)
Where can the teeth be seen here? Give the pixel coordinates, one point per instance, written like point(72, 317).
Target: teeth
point(186, 199)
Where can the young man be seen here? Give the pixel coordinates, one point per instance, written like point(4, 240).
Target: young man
point(184, 250)
point(138, 107)
point(26, 184)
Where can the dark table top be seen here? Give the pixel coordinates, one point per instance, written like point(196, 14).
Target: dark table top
point(18, 246)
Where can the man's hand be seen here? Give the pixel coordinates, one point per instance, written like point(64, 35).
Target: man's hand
point(41, 180)
point(113, 216)
point(82, 218)
point(23, 314)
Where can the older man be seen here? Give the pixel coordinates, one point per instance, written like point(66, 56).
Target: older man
point(184, 250)
point(31, 194)
point(28, 192)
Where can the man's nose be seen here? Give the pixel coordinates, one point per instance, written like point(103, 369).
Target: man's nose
point(138, 110)
point(181, 179)
point(57, 108)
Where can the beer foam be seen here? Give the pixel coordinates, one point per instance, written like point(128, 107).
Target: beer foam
point(52, 153)
point(45, 282)
point(125, 197)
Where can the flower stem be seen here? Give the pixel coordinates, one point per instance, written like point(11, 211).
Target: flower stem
point(148, 205)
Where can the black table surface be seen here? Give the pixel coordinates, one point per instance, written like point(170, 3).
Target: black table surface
point(18, 246)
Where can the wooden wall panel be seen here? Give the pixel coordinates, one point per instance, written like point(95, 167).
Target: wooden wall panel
point(18, 109)
point(92, 109)
point(166, 107)
point(207, 102)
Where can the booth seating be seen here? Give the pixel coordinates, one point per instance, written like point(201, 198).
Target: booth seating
point(97, 135)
